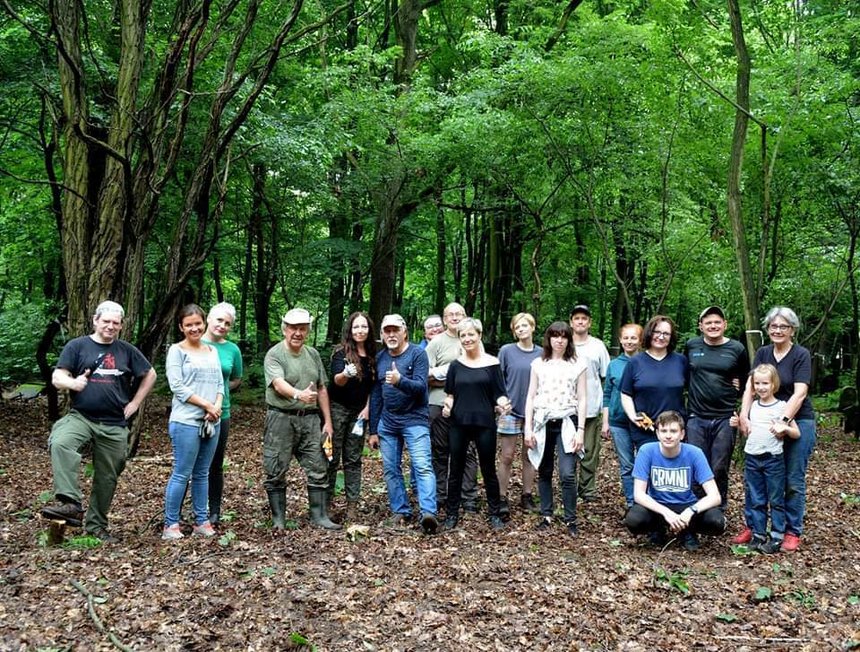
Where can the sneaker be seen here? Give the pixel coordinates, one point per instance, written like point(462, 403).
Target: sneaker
point(71, 513)
point(545, 523)
point(497, 523)
point(401, 520)
point(172, 532)
point(104, 536)
point(504, 510)
point(790, 542)
point(745, 536)
point(451, 522)
point(572, 530)
point(429, 524)
point(689, 541)
point(205, 529)
point(766, 546)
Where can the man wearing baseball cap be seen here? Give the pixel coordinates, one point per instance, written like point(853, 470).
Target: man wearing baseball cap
point(593, 352)
point(296, 398)
point(719, 367)
point(398, 416)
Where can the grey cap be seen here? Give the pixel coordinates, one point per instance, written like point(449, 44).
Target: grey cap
point(393, 320)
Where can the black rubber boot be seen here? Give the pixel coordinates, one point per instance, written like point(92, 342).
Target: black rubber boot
point(317, 501)
point(278, 505)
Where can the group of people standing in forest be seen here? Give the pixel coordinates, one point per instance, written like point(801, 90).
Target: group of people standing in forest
point(672, 417)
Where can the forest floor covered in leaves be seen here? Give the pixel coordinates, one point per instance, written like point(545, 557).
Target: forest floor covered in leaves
point(470, 589)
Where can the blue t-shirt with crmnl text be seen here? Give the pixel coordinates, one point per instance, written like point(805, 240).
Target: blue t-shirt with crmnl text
point(671, 479)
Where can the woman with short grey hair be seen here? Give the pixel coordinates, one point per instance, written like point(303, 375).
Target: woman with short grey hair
point(220, 321)
point(794, 366)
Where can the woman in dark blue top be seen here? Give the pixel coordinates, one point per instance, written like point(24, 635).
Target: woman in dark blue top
point(475, 389)
point(654, 380)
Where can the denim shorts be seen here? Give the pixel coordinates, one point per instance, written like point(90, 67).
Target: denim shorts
point(510, 425)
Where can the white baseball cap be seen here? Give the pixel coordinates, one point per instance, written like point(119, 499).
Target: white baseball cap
point(297, 316)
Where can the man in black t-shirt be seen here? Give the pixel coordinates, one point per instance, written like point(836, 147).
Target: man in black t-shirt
point(719, 367)
point(100, 373)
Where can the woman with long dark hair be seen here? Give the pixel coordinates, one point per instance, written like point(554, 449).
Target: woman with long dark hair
point(195, 378)
point(353, 365)
point(555, 420)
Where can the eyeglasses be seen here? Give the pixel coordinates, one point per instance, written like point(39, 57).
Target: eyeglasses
point(436, 325)
point(661, 334)
point(779, 328)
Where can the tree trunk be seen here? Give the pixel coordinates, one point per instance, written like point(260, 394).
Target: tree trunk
point(382, 266)
point(749, 293)
point(338, 231)
point(46, 345)
point(78, 212)
point(441, 253)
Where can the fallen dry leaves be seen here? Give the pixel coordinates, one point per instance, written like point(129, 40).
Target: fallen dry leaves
point(387, 589)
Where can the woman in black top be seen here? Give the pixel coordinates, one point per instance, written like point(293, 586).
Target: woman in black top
point(475, 392)
point(353, 365)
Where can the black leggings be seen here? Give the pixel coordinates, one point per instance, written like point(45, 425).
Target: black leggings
point(216, 471)
point(458, 442)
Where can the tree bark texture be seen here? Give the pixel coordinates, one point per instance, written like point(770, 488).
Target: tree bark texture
point(733, 194)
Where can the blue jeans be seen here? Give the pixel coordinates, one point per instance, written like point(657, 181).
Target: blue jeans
point(625, 451)
point(796, 453)
point(716, 438)
point(192, 457)
point(417, 440)
point(764, 484)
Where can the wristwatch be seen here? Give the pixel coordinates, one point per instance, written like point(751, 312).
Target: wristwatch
point(787, 420)
point(694, 509)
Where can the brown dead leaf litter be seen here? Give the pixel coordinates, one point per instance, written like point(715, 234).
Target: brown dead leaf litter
point(470, 589)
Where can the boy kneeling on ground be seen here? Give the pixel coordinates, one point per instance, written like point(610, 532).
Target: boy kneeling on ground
point(663, 477)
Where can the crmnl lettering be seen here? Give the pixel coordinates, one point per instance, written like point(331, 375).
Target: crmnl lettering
point(670, 480)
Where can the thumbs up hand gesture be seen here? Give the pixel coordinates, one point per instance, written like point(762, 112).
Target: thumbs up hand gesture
point(392, 376)
point(78, 383)
point(734, 420)
point(308, 395)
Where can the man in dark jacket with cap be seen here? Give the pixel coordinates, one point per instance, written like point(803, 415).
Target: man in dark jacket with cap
point(719, 367)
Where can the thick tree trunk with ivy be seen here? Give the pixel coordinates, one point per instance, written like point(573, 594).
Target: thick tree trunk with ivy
point(78, 213)
point(749, 293)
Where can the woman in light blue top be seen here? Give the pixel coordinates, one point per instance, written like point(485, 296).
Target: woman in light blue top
point(194, 375)
point(615, 421)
